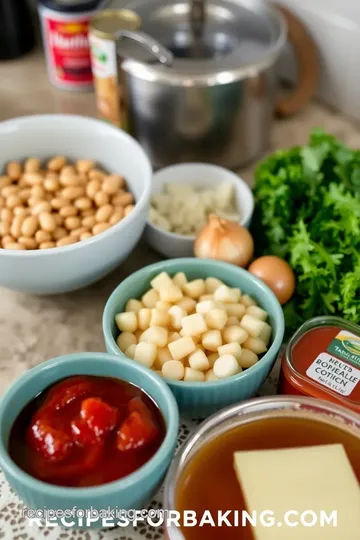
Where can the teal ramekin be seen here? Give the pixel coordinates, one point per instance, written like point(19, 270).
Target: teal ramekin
point(201, 399)
point(132, 492)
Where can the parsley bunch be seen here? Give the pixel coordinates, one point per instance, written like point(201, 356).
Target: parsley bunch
point(308, 212)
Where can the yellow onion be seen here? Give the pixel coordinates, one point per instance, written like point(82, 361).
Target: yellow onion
point(226, 241)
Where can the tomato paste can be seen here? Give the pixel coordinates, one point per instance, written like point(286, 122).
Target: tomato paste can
point(108, 76)
point(65, 29)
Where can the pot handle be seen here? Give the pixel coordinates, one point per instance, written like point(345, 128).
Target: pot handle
point(308, 65)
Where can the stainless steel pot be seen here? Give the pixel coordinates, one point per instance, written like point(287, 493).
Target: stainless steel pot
point(216, 101)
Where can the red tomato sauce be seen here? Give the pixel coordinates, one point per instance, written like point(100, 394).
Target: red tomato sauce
point(324, 363)
point(86, 431)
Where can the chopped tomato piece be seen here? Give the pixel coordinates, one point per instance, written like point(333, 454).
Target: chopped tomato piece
point(136, 431)
point(99, 416)
point(54, 444)
point(82, 433)
point(65, 396)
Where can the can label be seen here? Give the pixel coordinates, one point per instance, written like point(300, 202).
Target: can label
point(69, 51)
point(109, 91)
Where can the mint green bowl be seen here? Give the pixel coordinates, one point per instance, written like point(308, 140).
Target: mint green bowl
point(201, 399)
point(131, 492)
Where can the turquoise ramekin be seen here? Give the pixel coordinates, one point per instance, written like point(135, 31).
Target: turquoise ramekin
point(130, 493)
point(199, 399)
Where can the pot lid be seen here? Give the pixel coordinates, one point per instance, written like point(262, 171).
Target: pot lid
point(237, 38)
point(71, 6)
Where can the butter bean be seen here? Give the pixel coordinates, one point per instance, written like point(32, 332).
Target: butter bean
point(5, 181)
point(112, 184)
point(43, 206)
point(8, 239)
point(78, 232)
point(16, 226)
point(14, 170)
point(72, 223)
point(97, 174)
point(13, 200)
point(32, 165)
point(9, 190)
point(104, 213)
point(67, 211)
point(59, 232)
point(84, 165)
point(66, 241)
point(30, 226)
point(21, 211)
point(100, 227)
point(33, 201)
point(2, 202)
point(92, 188)
point(73, 192)
point(6, 215)
point(89, 221)
point(47, 222)
point(57, 163)
point(101, 198)
point(83, 203)
point(14, 246)
point(28, 243)
point(59, 202)
point(47, 245)
point(33, 179)
point(25, 194)
point(116, 216)
point(88, 213)
point(71, 180)
point(86, 236)
point(123, 199)
point(59, 220)
point(5, 228)
point(42, 236)
point(38, 191)
point(128, 209)
point(51, 183)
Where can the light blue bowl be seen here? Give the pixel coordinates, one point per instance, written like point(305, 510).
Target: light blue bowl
point(131, 492)
point(202, 399)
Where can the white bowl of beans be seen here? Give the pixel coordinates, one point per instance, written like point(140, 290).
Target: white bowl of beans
point(74, 197)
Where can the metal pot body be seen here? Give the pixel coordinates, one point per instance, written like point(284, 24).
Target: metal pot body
point(227, 123)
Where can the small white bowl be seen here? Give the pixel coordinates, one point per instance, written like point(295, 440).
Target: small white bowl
point(200, 175)
point(64, 269)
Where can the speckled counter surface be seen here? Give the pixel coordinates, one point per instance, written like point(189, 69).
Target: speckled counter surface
point(33, 329)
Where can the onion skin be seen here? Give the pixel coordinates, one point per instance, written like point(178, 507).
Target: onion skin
point(225, 241)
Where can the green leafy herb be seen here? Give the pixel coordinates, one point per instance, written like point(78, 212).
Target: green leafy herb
point(308, 212)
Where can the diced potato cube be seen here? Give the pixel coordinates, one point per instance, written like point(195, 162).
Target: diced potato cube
point(247, 301)
point(159, 318)
point(176, 314)
point(180, 279)
point(216, 319)
point(171, 294)
point(205, 306)
point(255, 345)
point(210, 376)
point(265, 334)
point(205, 297)
point(235, 334)
point(127, 321)
point(227, 295)
point(174, 337)
point(130, 351)
point(164, 306)
point(156, 335)
point(212, 340)
point(181, 347)
point(133, 305)
point(161, 281)
point(188, 304)
point(196, 339)
point(162, 356)
point(198, 360)
point(126, 339)
point(231, 348)
point(193, 375)
point(257, 312)
point(150, 298)
point(144, 317)
point(226, 366)
point(194, 288)
point(235, 310)
point(212, 358)
point(232, 321)
point(211, 284)
point(194, 324)
point(247, 359)
point(145, 354)
point(252, 325)
point(174, 369)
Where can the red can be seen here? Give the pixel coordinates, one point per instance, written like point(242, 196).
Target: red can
point(65, 28)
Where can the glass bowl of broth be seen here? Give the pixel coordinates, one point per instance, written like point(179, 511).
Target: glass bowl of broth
point(202, 477)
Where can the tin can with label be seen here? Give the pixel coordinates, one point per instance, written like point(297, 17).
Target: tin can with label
point(108, 77)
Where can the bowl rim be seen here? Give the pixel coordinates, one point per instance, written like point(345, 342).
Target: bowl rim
point(182, 262)
point(103, 489)
point(142, 202)
point(239, 182)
